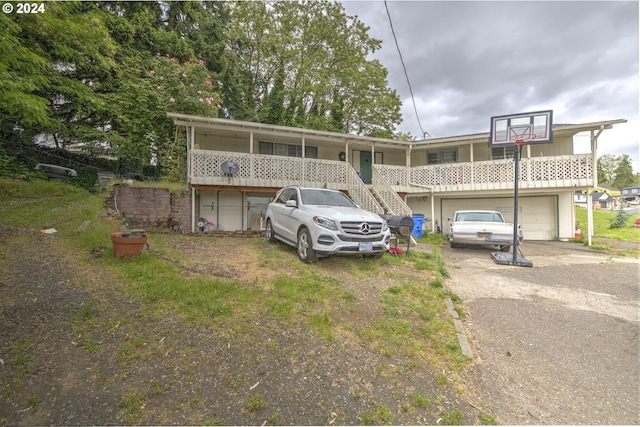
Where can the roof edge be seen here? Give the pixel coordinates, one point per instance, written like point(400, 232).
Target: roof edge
point(244, 125)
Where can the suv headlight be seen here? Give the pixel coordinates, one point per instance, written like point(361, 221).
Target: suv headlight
point(325, 223)
point(385, 226)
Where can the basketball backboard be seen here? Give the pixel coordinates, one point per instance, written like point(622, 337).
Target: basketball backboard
point(505, 129)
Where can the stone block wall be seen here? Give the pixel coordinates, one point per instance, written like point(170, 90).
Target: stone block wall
point(153, 209)
point(181, 209)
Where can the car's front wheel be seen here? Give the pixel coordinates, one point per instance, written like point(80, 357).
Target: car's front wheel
point(306, 253)
point(268, 233)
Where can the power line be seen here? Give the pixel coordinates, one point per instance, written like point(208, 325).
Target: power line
point(425, 134)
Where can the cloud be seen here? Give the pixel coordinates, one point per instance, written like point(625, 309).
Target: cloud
point(470, 60)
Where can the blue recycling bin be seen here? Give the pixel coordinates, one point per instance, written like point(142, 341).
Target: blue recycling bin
point(418, 220)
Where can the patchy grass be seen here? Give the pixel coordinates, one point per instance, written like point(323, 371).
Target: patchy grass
point(436, 239)
point(379, 415)
point(601, 225)
point(452, 418)
point(419, 400)
point(22, 357)
point(132, 405)
point(603, 233)
point(198, 298)
point(32, 401)
point(255, 402)
point(415, 324)
point(394, 306)
point(487, 420)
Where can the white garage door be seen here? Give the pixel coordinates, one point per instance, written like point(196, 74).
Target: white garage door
point(537, 215)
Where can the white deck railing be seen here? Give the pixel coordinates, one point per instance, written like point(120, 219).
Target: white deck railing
point(540, 172)
point(258, 170)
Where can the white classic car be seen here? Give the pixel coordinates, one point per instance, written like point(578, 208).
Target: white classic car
point(485, 228)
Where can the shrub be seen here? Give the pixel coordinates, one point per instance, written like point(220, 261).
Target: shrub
point(619, 220)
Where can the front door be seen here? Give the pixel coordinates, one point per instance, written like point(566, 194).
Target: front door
point(365, 166)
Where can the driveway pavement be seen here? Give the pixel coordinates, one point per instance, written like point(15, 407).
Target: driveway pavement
point(556, 343)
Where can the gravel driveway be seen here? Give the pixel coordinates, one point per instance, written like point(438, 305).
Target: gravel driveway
point(556, 343)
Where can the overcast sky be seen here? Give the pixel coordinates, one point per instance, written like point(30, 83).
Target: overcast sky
point(470, 60)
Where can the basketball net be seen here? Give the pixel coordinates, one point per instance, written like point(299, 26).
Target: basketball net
point(521, 139)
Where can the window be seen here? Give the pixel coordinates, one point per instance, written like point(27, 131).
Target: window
point(499, 153)
point(287, 194)
point(325, 197)
point(288, 150)
point(478, 217)
point(442, 156)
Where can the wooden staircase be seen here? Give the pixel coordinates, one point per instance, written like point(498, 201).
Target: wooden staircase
point(380, 200)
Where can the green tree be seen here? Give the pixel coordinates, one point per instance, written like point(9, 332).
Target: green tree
point(272, 110)
point(619, 220)
point(52, 65)
point(305, 64)
point(248, 73)
point(201, 24)
point(21, 79)
point(607, 164)
point(167, 53)
point(616, 171)
point(143, 130)
point(81, 73)
point(624, 176)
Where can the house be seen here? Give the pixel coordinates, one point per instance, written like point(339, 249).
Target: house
point(604, 197)
point(235, 167)
point(612, 191)
point(631, 194)
point(603, 200)
point(580, 199)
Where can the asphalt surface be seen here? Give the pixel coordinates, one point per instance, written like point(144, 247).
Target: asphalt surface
point(556, 343)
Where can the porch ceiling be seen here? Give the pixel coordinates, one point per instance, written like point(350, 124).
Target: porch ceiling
point(267, 132)
point(558, 130)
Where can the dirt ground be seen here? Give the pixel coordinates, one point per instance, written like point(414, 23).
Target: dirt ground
point(75, 349)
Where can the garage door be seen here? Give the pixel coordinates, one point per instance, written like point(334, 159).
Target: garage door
point(537, 215)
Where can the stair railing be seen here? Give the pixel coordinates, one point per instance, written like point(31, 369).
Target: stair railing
point(388, 194)
point(359, 192)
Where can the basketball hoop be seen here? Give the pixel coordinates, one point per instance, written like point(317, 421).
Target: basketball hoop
point(519, 129)
point(521, 139)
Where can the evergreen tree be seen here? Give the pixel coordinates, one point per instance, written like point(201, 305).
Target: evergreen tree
point(619, 220)
point(624, 176)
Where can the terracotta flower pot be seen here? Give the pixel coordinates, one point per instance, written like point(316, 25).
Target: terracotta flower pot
point(127, 246)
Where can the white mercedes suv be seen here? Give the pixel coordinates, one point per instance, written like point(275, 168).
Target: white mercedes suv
point(321, 222)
